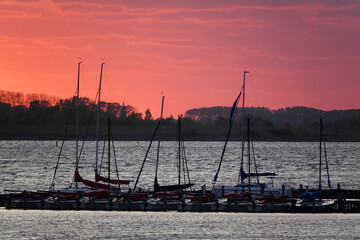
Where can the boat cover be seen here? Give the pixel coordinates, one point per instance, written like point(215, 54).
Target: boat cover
point(245, 175)
point(112, 181)
point(310, 195)
point(158, 188)
point(78, 178)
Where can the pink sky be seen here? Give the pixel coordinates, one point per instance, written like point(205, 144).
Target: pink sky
point(299, 53)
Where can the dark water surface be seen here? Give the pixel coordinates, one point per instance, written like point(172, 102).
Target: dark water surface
point(172, 225)
point(30, 164)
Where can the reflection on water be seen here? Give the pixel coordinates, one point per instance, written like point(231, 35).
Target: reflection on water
point(30, 164)
point(173, 225)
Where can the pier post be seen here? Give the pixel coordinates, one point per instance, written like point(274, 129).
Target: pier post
point(236, 200)
point(164, 201)
point(24, 199)
point(283, 189)
point(42, 203)
point(110, 203)
point(200, 201)
point(78, 202)
point(182, 200)
point(59, 200)
point(8, 201)
point(313, 204)
point(222, 191)
point(93, 200)
point(203, 189)
point(129, 200)
point(272, 201)
point(145, 204)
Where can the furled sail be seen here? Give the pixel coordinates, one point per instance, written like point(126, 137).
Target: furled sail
point(246, 175)
point(112, 181)
point(158, 188)
point(78, 178)
point(309, 196)
point(232, 116)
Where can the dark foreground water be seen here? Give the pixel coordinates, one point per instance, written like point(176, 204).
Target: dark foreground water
point(30, 164)
point(145, 225)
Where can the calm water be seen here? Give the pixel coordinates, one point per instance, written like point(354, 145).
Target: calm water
point(169, 225)
point(30, 164)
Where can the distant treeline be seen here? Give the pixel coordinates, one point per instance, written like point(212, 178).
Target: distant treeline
point(19, 98)
point(286, 124)
point(42, 119)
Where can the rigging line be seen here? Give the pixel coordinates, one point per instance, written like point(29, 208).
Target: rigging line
point(181, 154)
point(326, 161)
point(107, 80)
point(256, 170)
point(186, 163)
point(85, 80)
point(232, 116)
point(147, 152)
point(62, 143)
point(102, 154)
point(159, 140)
point(87, 129)
point(116, 165)
point(178, 153)
point(183, 164)
point(253, 88)
point(242, 156)
point(184, 158)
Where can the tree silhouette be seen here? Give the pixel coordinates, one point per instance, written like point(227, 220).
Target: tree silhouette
point(148, 115)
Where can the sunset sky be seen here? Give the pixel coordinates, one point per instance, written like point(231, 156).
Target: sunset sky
point(299, 53)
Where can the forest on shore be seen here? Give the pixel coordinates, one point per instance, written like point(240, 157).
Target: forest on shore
point(42, 117)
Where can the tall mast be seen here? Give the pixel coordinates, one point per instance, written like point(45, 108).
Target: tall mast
point(158, 148)
point(98, 119)
point(179, 122)
point(321, 135)
point(109, 149)
point(243, 125)
point(77, 119)
point(248, 132)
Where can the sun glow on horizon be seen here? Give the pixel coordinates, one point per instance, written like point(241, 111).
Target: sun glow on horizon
point(298, 53)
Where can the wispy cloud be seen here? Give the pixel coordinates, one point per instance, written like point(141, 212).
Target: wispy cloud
point(205, 41)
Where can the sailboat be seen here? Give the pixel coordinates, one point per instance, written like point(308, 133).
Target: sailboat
point(221, 191)
point(72, 194)
point(38, 199)
point(69, 198)
point(98, 178)
point(181, 150)
point(312, 201)
point(165, 188)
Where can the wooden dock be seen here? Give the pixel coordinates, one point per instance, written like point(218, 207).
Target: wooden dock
point(345, 201)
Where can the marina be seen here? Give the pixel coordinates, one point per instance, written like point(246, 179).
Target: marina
point(107, 193)
point(180, 120)
point(42, 201)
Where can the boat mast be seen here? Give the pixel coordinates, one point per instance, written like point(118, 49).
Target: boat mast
point(325, 155)
point(179, 122)
point(321, 135)
point(98, 120)
point(158, 148)
point(243, 126)
point(109, 150)
point(77, 120)
point(248, 132)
